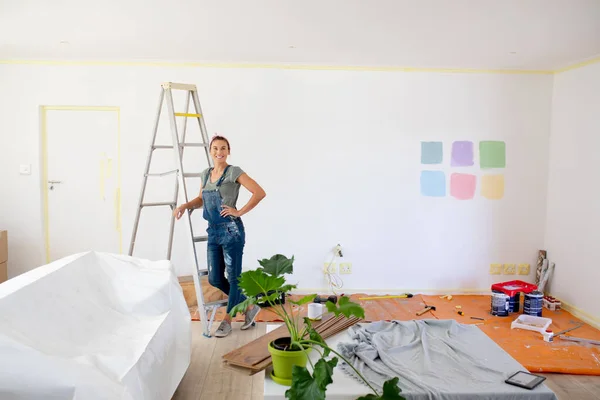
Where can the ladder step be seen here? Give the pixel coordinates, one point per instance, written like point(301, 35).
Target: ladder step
point(200, 239)
point(164, 203)
point(202, 272)
point(218, 303)
point(163, 173)
point(192, 175)
point(164, 146)
point(188, 115)
point(178, 86)
point(195, 145)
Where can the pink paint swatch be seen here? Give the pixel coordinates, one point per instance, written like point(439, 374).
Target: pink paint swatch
point(462, 186)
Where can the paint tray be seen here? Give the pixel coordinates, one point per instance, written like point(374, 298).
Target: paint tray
point(531, 323)
point(513, 287)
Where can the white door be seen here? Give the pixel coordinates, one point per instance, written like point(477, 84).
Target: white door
point(82, 182)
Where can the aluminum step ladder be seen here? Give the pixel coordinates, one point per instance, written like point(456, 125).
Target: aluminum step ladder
point(166, 95)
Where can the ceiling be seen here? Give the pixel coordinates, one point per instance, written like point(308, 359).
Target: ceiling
point(482, 34)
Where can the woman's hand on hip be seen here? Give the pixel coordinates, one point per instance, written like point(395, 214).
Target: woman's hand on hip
point(229, 211)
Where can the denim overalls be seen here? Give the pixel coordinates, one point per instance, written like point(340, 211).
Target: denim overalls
point(225, 246)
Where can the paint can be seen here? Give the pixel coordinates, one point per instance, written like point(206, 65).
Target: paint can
point(533, 303)
point(515, 303)
point(500, 304)
point(315, 311)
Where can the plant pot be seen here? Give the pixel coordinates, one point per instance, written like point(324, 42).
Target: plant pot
point(284, 360)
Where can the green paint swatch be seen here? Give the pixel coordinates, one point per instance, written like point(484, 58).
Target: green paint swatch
point(492, 154)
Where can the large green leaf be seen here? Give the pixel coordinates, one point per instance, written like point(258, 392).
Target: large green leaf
point(391, 391)
point(241, 307)
point(307, 387)
point(304, 300)
point(286, 288)
point(278, 265)
point(256, 282)
point(270, 299)
point(346, 308)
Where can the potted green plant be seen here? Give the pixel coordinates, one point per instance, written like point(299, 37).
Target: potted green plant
point(290, 354)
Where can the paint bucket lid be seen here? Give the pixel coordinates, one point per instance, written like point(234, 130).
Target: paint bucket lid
point(535, 293)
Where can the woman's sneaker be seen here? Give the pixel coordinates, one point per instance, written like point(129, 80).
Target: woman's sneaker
point(224, 329)
point(250, 316)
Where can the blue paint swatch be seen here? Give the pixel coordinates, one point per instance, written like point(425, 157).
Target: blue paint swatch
point(433, 183)
point(431, 152)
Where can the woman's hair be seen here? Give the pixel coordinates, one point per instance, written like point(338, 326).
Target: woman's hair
point(218, 137)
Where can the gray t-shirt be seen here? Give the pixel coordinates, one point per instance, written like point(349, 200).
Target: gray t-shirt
point(229, 189)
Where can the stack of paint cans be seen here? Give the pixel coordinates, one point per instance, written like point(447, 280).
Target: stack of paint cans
point(506, 298)
point(500, 304)
point(533, 304)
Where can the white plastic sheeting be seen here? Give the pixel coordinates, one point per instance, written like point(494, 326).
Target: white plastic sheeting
point(94, 326)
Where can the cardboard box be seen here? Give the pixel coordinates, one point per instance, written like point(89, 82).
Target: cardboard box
point(3, 255)
point(3, 272)
point(3, 246)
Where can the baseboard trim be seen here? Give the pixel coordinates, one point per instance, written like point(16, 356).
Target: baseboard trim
point(583, 315)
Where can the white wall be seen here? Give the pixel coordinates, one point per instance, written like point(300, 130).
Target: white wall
point(573, 220)
point(338, 154)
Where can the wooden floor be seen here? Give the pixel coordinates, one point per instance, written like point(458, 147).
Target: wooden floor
point(207, 378)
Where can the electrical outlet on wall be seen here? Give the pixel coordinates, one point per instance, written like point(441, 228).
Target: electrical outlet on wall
point(495, 269)
point(345, 268)
point(332, 268)
point(523, 269)
point(509, 269)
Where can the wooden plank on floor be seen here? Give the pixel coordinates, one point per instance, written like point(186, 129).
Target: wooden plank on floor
point(219, 383)
point(202, 352)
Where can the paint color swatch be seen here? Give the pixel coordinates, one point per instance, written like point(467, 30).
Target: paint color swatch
point(431, 152)
point(462, 154)
point(492, 154)
point(462, 186)
point(433, 183)
point(492, 186)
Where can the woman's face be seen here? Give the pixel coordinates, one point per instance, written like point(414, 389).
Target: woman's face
point(219, 151)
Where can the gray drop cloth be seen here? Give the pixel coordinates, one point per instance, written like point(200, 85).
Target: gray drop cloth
point(435, 359)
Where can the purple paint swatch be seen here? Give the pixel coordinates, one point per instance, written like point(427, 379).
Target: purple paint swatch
point(462, 154)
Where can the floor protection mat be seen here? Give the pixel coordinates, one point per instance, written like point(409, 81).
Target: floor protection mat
point(527, 347)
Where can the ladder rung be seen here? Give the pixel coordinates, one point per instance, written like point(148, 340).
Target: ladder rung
point(202, 272)
point(163, 173)
point(164, 203)
point(163, 146)
point(190, 115)
point(193, 175)
point(218, 303)
point(200, 239)
point(195, 145)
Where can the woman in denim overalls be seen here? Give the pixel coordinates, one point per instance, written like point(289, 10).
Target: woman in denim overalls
point(226, 235)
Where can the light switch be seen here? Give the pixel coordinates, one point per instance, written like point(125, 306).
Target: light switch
point(25, 169)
